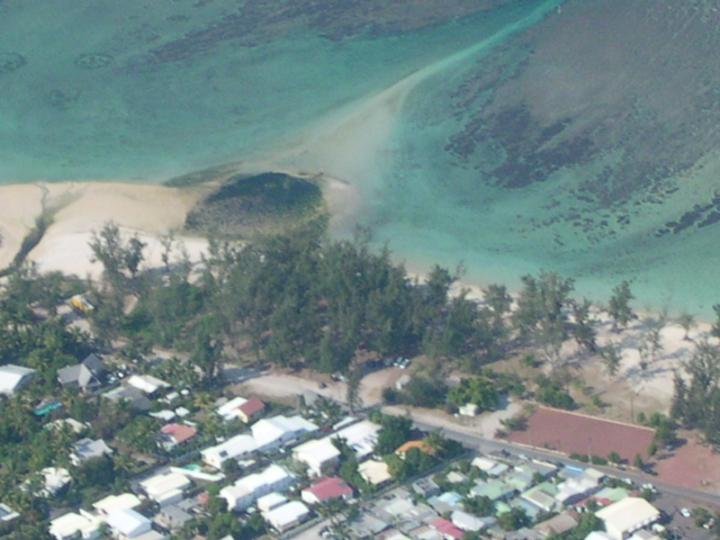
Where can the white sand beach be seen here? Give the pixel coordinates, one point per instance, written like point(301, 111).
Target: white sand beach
point(80, 208)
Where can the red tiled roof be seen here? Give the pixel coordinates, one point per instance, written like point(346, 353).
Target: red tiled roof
point(252, 407)
point(330, 487)
point(179, 432)
point(446, 528)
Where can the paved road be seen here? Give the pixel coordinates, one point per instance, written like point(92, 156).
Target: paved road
point(490, 445)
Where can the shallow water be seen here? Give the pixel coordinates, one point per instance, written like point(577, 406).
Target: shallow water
point(101, 89)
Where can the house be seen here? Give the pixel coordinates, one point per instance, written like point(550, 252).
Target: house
point(147, 384)
point(234, 448)
point(627, 516)
point(244, 409)
point(113, 503)
point(245, 491)
point(420, 445)
point(557, 525)
point(69, 423)
point(270, 433)
point(172, 435)
point(493, 489)
point(375, 472)
point(490, 466)
point(167, 487)
point(360, 436)
point(447, 529)
point(326, 489)
point(7, 514)
point(270, 501)
point(81, 304)
point(542, 496)
point(87, 375)
point(136, 398)
point(128, 524)
point(55, 479)
point(172, 517)
point(14, 378)
point(285, 517)
point(577, 488)
point(426, 487)
point(469, 522)
point(73, 525)
point(319, 455)
point(446, 502)
point(469, 409)
point(86, 449)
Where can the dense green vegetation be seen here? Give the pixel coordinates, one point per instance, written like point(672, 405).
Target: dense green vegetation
point(245, 205)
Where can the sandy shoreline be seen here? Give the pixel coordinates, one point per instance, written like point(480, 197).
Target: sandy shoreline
point(80, 208)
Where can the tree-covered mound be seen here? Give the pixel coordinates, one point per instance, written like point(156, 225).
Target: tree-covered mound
point(262, 203)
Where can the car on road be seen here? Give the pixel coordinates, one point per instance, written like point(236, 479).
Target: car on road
point(684, 512)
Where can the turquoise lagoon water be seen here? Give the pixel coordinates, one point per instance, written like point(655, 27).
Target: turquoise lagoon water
point(82, 98)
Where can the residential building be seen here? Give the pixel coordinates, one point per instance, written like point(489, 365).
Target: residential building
point(469, 522)
point(270, 501)
point(172, 435)
point(113, 503)
point(234, 448)
point(559, 524)
point(627, 516)
point(326, 489)
point(360, 436)
point(14, 378)
point(285, 517)
point(577, 488)
point(426, 487)
point(244, 409)
point(73, 525)
point(87, 375)
point(167, 487)
point(128, 524)
point(319, 455)
point(542, 496)
point(375, 472)
point(136, 398)
point(86, 449)
point(245, 491)
point(420, 445)
point(447, 529)
point(147, 384)
point(55, 479)
point(172, 517)
point(270, 433)
point(490, 466)
point(7, 514)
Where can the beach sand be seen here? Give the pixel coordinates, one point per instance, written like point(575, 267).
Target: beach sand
point(151, 211)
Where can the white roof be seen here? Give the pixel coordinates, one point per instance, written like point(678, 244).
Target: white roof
point(129, 523)
point(229, 410)
point(270, 501)
point(483, 463)
point(230, 449)
point(56, 478)
point(11, 376)
point(249, 488)
point(72, 523)
point(575, 486)
point(374, 472)
point(316, 452)
point(361, 437)
point(269, 430)
point(597, 535)
point(467, 522)
point(165, 414)
point(284, 515)
point(628, 515)
point(158, 486)
point(112, 503)
point(146, 383)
